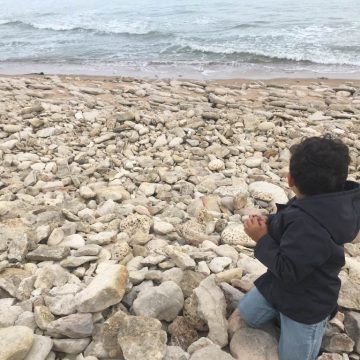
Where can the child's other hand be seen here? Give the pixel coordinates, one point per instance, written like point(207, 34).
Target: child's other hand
point(256, 227)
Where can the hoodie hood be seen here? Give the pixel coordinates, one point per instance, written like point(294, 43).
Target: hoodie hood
point(338, 213)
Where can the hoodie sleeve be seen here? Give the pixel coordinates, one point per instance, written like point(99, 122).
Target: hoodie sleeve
point(303, 247)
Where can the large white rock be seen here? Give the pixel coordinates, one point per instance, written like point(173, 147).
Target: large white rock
point(254, 344)
point(211, 352)
point(251, 265)
point(75, 241)
point(163, 302)
point(148, 188)
point(160, 141)
point(212, 309)
point(40, 349)
point(15, 342)
point(176, 353)
point(106, 289)
point(276, 192)
point(349, 296)
point(352, 326)
point(142, 338)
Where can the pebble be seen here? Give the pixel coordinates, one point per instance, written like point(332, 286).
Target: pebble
point(219, 264)
point(162, 227)
point(253, 162)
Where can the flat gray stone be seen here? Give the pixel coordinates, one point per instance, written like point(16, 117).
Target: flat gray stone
point(76, 261)
point(46, 253)
point(75, 326)
point(163, 302)
point(338, 343)
point(9, 315)
point(71, 346)
point(61, 305)
point(18, 248)
point(27, 319)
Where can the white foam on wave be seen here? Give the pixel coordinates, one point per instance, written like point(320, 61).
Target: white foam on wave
point(315, 44)
point(110, 27)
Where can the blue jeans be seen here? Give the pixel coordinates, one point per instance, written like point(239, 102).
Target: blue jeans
point(297, 341)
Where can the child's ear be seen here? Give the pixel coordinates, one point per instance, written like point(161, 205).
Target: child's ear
point(290, 180)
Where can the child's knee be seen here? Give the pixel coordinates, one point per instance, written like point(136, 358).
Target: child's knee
point(255, 310)
point(249, 317)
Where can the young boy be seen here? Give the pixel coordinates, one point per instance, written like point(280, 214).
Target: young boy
point(302, 247)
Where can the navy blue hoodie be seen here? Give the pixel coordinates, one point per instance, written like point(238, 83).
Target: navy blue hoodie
point(304, 253)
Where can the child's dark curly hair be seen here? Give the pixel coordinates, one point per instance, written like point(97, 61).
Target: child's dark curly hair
point(319, 165)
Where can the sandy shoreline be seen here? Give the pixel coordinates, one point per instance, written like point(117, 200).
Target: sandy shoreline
point(233, 82)
point(188, 71)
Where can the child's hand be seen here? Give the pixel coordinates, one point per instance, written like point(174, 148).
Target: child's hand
point(256, 227)
point(262, 217)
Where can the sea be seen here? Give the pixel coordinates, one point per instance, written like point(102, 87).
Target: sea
point(201, 39)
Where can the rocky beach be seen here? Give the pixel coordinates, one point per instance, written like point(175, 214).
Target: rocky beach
point(122, 203)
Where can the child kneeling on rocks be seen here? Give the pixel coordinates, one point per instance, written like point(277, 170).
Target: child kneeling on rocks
point(303, 248)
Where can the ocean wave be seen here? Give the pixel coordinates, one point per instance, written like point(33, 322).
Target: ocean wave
point(92, 30)
point(254, 24)
point(270, 56)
